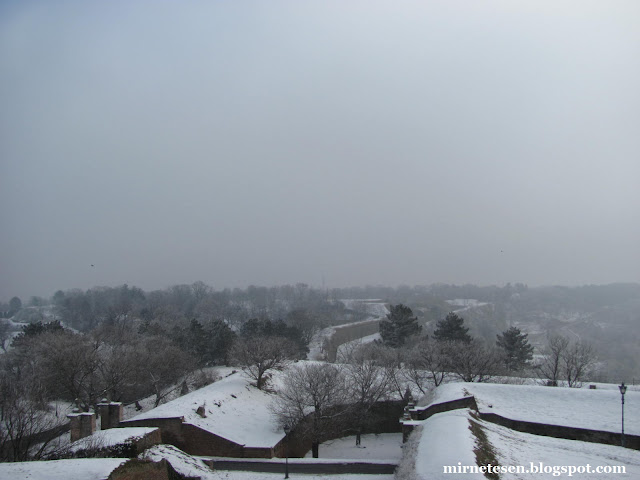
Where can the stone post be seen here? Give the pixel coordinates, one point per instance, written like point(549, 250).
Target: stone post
point(115, 414)
point(103, 412)
point(110, 413)
point(82, 425)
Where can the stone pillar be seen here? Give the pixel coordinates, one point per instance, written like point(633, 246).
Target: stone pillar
point(115, 414)
point(407, 428)
point(82, 425)
point(407, 422)
point(103, 412)
point(110, 413)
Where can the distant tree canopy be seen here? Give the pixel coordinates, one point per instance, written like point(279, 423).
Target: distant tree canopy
point(254, 328)
point(452, 329)
point(399, 325)
point(34, 329)
point(209, 344)
point(15, 304)
point(515, 348)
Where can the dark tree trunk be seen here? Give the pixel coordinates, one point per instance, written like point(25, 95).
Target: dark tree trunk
point(315, 446)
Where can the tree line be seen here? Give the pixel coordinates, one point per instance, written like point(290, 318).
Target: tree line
point(451, 351)
point(124, 344)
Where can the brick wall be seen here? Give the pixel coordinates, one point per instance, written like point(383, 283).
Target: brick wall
point(347, 333)
point(383, 418)
point(170, 428)
point(197, 441)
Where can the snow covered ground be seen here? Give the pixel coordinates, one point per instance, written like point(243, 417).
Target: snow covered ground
point(233, 409)
point(77, 469)
point(598, 409)
point(446, 440)
point(383, 446)
point(516, 448)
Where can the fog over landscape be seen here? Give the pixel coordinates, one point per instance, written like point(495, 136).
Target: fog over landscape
point(331, 143)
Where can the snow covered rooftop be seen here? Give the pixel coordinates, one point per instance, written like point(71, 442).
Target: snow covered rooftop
point(233, 409)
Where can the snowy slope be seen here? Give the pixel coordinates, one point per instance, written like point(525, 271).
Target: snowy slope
point(516, 448)
point(598, 409)
point(234, 410)
point(445, 440)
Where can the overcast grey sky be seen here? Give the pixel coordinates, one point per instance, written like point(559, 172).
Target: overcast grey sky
point(363, 142)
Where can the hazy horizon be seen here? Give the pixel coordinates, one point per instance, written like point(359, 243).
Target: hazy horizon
point(335, 143)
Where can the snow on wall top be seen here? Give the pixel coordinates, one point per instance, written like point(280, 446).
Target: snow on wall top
point(234, 410)
point(433, 452)
point(111, 437)
point(598, 409)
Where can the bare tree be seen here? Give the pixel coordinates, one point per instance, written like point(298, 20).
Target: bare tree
point(577, 361)
point(27, 425)
point(118, 368)
point(367, 383)
point(312, 400)
point(162, 367)
point(391, 360)
point(550, 368)
point(427, 363)
point(68, 366)
point(472, 361)
point(259, 355)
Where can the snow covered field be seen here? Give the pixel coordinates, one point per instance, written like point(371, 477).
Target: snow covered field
point(80, 469)
point(598, 409)
point(384, 446)
point(446, 440)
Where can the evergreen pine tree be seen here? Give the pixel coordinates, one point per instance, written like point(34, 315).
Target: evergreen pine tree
point(398, 326)
point(516, 349)
point(452, 328)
